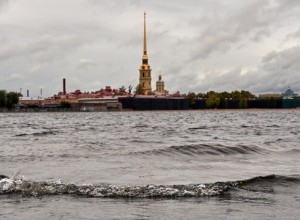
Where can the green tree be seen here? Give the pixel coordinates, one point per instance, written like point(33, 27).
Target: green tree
point(225, 95)
point(121, 91)
point(201, 95)
point(213, 100)
point(12, 98)
point(129, 89)
point(139, 90)
point(247, 95)
point(236, 95)
point(243, 103)
point(2, 98)
point(65, 104)
point(223, 102)
point(192, 97)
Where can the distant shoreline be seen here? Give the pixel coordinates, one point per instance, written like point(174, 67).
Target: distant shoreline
point(188, 110)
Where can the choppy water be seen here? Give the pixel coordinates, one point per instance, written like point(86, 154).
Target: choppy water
point(150, 165)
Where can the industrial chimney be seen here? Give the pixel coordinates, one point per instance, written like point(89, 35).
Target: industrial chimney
point(64, 86)
point(27, 93)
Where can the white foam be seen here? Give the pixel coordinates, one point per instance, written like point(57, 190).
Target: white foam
point(6, 184)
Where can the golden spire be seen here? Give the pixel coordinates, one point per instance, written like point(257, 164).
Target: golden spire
point(145, 35)
point(145, 70)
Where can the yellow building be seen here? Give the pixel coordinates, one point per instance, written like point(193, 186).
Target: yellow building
point(145, 70)
point(160, 87)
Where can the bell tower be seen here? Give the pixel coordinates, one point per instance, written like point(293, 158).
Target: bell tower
point(145, 70)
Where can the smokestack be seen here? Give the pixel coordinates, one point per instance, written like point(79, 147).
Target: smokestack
point(64, 86)
point(27, 93)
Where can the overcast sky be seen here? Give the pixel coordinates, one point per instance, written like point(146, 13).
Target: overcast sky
point(197, 45)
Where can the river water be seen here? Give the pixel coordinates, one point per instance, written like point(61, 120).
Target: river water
point(150, 165)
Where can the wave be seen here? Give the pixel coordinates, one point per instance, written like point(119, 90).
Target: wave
point(43, 133)
point(198, 128)
point(267, 183)
point(33, 188)
point(206, 149)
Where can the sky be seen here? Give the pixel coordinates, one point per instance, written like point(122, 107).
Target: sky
point(197, 45)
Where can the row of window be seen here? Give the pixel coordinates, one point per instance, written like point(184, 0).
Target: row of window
point(145, 75)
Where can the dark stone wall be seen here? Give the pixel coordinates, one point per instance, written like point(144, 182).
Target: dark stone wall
point(291, 103)
point(265, 103)
point(154, 103)
point(257, 103)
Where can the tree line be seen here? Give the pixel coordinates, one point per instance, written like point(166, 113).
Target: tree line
point(220, 100)
point(9, 99)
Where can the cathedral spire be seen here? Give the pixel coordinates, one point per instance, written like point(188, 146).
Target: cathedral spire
point(145, 56)
point(145, 35)
point(145, 70)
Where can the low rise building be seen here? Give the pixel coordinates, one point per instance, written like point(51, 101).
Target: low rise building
point(31, 101)
point(270, 95)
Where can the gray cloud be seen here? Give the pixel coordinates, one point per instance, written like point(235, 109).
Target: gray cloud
point(199, 45)
point(276, 72)
point(45, 49)
point(252, 21)
point(3, 3)
point(85, 63)
point(294, 35)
